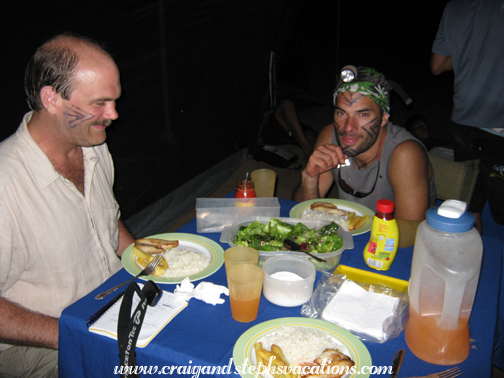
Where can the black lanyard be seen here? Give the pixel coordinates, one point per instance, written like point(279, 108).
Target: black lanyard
point(128, 327)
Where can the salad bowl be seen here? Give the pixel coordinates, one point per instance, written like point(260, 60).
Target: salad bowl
point(332, 258)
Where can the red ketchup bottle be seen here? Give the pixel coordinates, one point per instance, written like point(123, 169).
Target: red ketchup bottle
point(245, 189)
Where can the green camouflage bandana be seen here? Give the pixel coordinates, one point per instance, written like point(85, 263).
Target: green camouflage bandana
point(376, 91)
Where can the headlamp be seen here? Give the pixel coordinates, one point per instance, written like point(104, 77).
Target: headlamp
point(348, 74)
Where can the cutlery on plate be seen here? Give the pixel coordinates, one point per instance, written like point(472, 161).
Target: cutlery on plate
point(147, 271)
point(291, 245)
point(450, 373)
point(396, 363)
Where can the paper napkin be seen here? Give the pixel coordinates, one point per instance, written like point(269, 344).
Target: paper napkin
point(357, 310)
point(205, 291)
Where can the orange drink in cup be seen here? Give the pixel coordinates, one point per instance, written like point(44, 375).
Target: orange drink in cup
point(245, 283)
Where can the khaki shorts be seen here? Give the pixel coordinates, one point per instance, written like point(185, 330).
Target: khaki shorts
point(21, 361)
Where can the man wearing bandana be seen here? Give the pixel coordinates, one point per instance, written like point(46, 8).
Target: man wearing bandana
point(369, 157)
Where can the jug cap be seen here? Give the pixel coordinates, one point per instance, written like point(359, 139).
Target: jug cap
point(451, 216)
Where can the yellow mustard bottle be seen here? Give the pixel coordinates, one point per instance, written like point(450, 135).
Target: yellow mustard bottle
point(382, 247)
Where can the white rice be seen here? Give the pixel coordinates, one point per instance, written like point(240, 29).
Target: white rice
point(319, 214)
point(300, 344)
point(183, 263)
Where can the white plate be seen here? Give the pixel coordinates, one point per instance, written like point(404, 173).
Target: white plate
point(298, 211)
point(244, 354)
point(190, 242)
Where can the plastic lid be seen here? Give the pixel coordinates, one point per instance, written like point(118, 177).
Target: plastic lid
point(451, 216)
point(385, 206)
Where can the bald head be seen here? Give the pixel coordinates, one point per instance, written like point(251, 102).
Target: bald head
point(55, 64)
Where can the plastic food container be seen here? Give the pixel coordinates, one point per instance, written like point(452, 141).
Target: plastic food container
point(213, 214)
point(284, 290)
point(332, 258)
point(371, 278)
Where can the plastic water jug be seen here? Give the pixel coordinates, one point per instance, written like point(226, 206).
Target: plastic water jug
point(444, 278)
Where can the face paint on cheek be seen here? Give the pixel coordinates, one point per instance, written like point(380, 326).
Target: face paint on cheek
point(373, 127)
point(75, 116)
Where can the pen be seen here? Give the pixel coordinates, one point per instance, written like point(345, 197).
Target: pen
point(101, 311)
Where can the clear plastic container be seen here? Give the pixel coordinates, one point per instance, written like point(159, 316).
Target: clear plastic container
point(332, 258)
point(444, 278)
point(282, 289)
point(213, 214)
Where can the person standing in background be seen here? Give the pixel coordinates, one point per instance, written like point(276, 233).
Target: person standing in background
point(470, 41)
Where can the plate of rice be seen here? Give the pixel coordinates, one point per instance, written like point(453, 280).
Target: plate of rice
point(303, 210)
point(302, 340)
point(195, 257)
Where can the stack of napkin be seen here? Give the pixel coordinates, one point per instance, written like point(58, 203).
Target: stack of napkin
point(360, 311)
point(205, 291)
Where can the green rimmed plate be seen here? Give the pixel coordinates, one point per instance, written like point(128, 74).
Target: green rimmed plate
point(186, 241)
point(244, 356)
point(360, 210)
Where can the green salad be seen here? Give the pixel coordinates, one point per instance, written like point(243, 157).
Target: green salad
point(271, 236)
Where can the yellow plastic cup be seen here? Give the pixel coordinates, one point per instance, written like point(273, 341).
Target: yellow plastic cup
point(240, 255)
point(245, 282)
point(264, 182)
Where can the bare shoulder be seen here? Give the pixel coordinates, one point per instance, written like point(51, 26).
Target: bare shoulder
point(408, 151)
point(410, 161)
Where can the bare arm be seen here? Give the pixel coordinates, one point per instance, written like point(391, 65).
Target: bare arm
point(410, 173)
point(440, 63)
point(125, 239)
point(20, 326)
point(316, 178)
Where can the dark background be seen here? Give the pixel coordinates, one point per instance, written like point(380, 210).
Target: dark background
point(195, 73)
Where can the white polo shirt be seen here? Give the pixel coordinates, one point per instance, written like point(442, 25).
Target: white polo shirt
point(56, 245)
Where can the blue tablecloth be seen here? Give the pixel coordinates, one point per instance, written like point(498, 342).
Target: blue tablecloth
point(204, 335)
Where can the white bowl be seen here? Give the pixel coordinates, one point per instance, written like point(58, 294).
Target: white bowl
point(288, 292)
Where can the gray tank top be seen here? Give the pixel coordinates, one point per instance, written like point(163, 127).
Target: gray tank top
point(364, 180)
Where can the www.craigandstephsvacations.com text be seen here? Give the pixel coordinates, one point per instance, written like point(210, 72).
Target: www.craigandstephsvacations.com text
point(194, 371)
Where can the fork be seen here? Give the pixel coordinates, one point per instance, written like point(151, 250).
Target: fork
point(450, 373)
point(148, 270)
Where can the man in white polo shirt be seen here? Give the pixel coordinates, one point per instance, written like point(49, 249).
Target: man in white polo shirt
point(60, 233)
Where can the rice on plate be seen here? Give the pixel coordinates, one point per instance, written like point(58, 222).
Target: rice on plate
point(183, 262)
point(301, 344)
point(319, 214)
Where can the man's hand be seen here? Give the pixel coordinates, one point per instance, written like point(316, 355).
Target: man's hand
point(324, 158)
point(316, 178)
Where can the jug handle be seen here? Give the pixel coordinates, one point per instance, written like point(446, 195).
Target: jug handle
point(454, 295)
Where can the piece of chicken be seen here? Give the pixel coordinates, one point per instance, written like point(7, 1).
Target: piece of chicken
point(155, 246)
point(328, 361)
point(327, 207)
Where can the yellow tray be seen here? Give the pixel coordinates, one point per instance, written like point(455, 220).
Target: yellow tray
point(359, 275)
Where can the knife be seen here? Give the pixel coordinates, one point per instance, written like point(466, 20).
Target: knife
point(396, 363)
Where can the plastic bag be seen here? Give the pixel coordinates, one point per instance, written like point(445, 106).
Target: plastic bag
point(328, 287)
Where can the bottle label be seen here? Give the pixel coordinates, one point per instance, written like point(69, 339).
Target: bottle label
point(372, 247)
point(389, 245)
point(375, 263)
point(381, 246)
